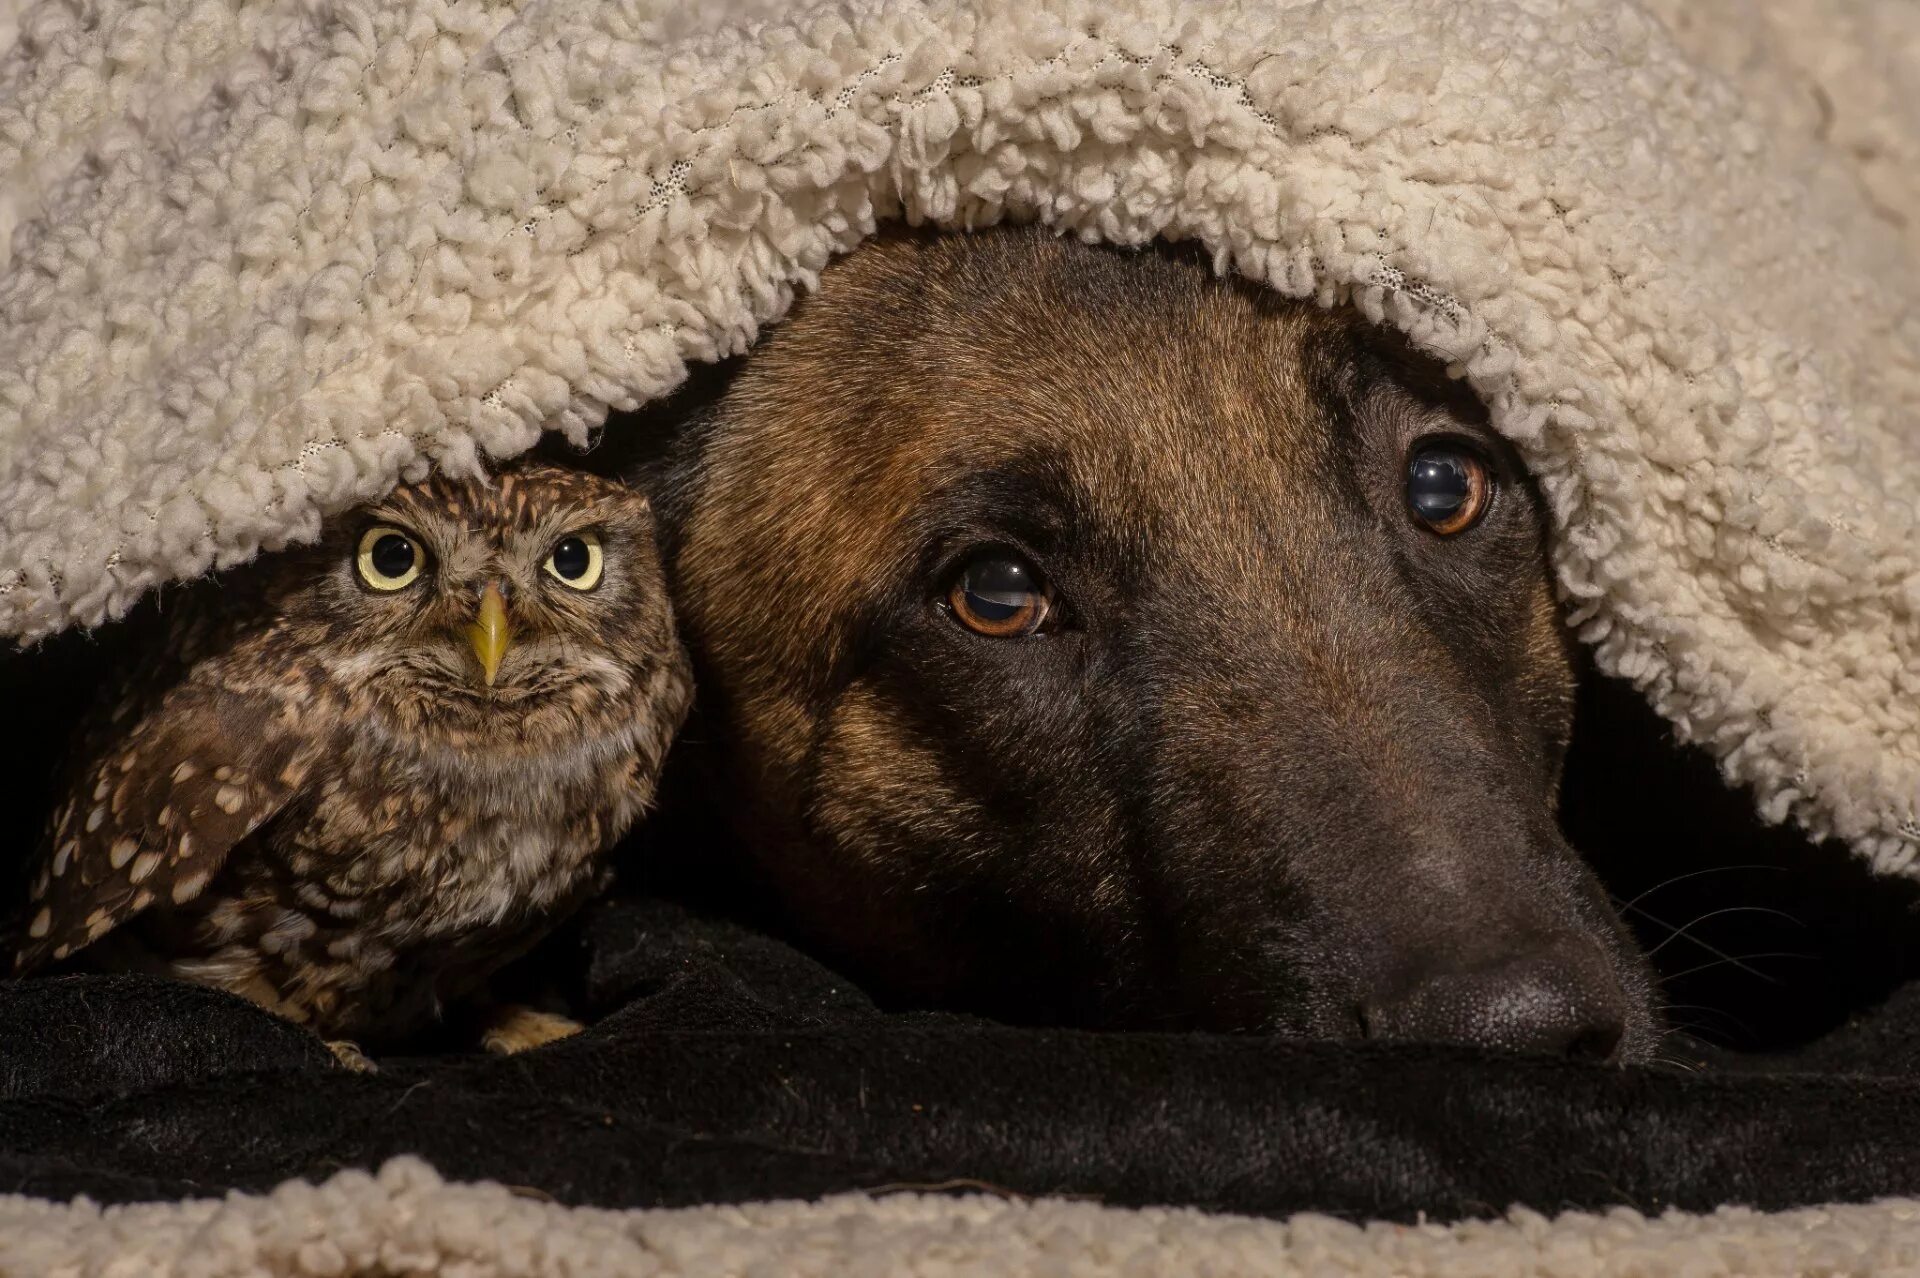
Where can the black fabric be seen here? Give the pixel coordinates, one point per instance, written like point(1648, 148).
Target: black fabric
point(725, 1066)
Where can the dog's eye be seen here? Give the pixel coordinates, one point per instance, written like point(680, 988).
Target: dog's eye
point(1448, 487)
point(999, 595)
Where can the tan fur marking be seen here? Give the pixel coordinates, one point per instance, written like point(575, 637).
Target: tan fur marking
point(516, 1029)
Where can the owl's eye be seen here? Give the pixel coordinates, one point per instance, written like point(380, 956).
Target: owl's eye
point(1448, 486)
point(575, 560)
point(389, 558)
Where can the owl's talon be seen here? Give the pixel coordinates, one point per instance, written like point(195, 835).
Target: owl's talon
point(517, 1028)
point(351, 1057)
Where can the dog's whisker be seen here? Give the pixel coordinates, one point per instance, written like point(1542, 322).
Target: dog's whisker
point(1719, 1012)
point(1711, 1035)
point(1693, 874)
point(1666, 1040)
point(1693, 940)
point(1714, 914)
point(1728, 1028)
point(1674, 1062)
point(1742, 961)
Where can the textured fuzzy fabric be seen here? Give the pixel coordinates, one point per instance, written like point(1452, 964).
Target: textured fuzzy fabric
point(407, 1221)
point(1841, 71)
point(266, 258)
point(259, 260)
point(724, 1067)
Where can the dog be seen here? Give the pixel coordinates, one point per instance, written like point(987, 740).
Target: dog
point(1084, 638)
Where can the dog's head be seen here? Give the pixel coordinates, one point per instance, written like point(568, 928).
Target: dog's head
point(1092, 639)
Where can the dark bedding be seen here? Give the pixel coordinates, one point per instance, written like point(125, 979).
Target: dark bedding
point(724, 1065)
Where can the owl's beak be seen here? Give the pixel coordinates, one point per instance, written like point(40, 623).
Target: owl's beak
point(489, 632)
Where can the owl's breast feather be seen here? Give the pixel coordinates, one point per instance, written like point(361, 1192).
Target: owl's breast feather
point(457, 841)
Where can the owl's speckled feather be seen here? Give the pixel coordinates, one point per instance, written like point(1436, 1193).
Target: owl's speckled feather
point(310, 795)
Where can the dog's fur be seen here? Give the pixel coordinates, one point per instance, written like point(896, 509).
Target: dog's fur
point(1290, 762)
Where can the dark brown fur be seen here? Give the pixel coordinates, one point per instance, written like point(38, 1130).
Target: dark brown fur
point(1292, 762)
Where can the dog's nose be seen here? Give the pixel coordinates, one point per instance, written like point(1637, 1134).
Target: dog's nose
point(1564, 1001)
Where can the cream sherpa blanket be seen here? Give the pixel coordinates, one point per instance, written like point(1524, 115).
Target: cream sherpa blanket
point(407, 1223)
point(259, 259)
point(269, 256)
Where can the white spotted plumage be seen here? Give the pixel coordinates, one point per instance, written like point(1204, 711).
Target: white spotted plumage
point(305, 792)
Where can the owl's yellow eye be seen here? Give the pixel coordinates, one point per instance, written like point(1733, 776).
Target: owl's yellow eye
point(389, 558)
point(576, 561)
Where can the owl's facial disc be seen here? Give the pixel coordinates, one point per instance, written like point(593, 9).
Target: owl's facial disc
point(500, 616)
point(490, 632)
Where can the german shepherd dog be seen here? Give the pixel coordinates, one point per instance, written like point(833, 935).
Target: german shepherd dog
point(1087, 639)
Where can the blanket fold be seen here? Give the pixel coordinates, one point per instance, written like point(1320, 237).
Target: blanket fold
point(407, 1221)
point(726, 1067)
point(267, 258)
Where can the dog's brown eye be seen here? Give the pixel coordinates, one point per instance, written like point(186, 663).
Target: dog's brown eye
point(1448, 487)
point(1000, 596)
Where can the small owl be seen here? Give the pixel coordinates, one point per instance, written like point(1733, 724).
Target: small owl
point(354, 780)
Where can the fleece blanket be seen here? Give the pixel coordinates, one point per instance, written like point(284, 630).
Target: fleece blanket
point(267, 258)
point(408, 1222)
point(725, 1068)
point(260, 260)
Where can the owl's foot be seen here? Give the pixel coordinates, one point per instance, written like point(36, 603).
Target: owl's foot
point(350, 1056)
point(518, 1028)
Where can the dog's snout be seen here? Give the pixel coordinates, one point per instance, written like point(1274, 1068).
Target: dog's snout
point(1562, 1000)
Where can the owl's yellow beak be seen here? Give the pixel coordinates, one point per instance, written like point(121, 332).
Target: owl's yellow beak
point(489, 632)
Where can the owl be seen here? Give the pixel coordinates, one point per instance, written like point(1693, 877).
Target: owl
point(352, 781)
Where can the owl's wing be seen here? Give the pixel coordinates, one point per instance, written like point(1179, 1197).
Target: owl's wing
point(154, 813)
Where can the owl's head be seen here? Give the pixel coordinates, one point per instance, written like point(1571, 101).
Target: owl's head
point(520, 607)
